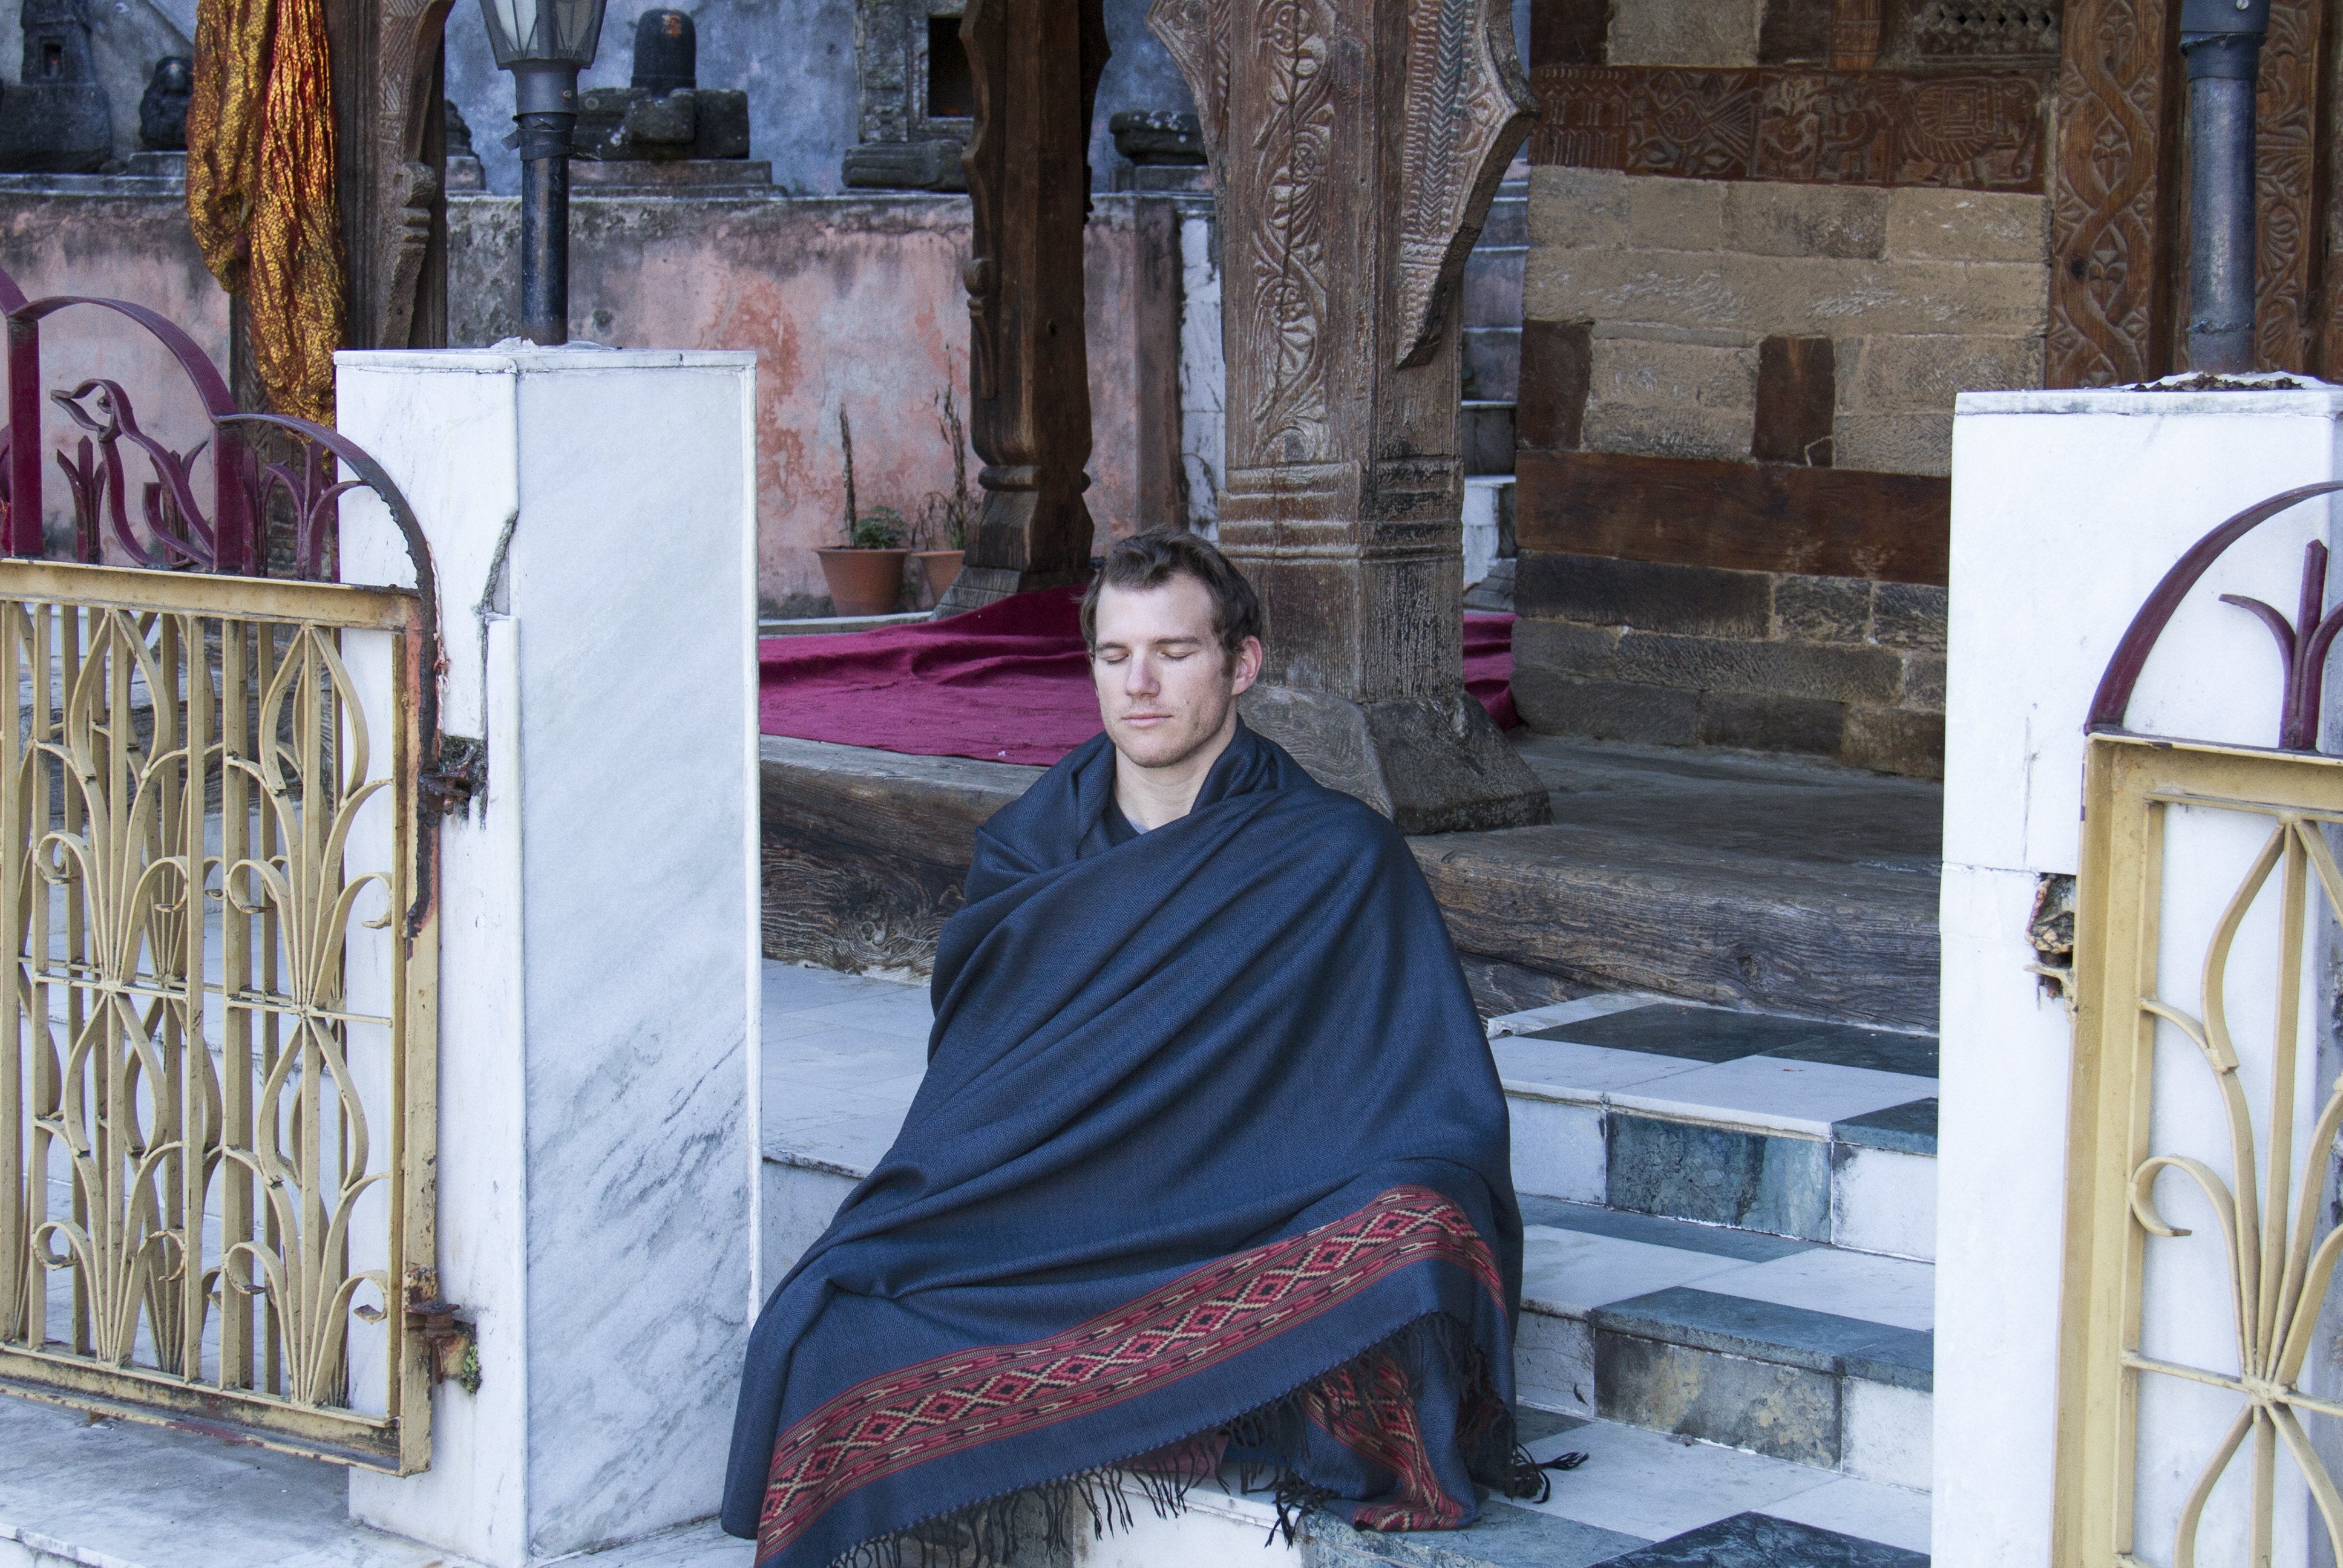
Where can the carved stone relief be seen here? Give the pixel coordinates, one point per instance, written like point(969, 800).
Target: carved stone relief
point(914, 119)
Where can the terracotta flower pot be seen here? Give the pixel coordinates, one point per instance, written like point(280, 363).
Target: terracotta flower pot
point(862, 582)
point(936, 569)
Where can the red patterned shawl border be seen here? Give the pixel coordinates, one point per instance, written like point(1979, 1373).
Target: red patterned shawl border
point(894, 1421)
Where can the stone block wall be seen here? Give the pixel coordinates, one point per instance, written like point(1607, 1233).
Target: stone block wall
point(1673, 322)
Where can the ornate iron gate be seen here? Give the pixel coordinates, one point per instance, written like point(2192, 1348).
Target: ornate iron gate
point(217, 1045)
point(2256, 828)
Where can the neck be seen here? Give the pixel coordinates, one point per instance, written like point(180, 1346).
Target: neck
point(1151, 797)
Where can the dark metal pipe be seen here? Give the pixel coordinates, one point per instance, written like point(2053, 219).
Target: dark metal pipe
point(2221, 41)
point(545, 249)
point(547, 98)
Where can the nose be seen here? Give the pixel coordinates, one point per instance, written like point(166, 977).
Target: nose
point(1139, 676)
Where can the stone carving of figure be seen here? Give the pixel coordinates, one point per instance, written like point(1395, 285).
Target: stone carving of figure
point(162, 109)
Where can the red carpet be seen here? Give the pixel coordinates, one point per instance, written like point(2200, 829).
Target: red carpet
point(1007, 683)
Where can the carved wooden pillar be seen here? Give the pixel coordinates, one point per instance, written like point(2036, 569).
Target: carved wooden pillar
point(1036, 65)
point(1355, 145)
point(390, 137)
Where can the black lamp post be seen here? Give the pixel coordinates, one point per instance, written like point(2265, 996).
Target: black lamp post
point(2222, 42)
point(544, 43)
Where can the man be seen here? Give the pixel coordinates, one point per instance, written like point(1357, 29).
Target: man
point(1210, 1162)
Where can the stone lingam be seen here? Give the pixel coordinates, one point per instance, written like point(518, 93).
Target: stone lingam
point(663, 131)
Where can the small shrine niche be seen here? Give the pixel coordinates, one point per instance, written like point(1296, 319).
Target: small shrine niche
point(53, 119)
point(917, 97)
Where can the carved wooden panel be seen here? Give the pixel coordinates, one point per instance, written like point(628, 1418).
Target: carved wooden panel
point(2285, 146)
point(1284, 246)
point(1855, 28)
point(1973, 131)
point(2110, 228)
point(1463, 91)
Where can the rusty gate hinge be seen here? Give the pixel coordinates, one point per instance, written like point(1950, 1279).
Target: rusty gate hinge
point(450, 1340)
point(447, 786)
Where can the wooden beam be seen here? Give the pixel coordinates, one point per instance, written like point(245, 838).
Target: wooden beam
point(390, 147)
point(1036, 65)
point(1802, 125)
point(1743, 517)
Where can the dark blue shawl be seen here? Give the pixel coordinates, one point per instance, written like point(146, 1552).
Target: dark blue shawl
point(1211, 1160)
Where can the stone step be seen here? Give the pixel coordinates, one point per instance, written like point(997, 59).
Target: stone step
point(1488, 525)
point(1491, 294)
point(1819, 1131)
point(1508, 223)
point(1806, 1353)
point(1486, 429)
point(1490, 361)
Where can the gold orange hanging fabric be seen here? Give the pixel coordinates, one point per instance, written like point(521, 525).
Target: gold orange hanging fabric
point(260, 187)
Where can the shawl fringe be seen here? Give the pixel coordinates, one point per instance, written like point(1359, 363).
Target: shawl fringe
point(1266, 1444)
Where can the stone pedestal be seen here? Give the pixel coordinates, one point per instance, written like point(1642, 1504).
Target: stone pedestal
point(2067, 508)
point(591, 514)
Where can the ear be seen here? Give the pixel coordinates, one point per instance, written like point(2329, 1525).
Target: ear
point(1244, 666)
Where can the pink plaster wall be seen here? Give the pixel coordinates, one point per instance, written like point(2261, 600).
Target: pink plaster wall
point(852, 302)
point(848, 302)
point(136, 248)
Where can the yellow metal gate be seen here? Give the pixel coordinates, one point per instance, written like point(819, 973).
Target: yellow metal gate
point(2199, 1104)
point(2264, 1190)
point(217, 1100)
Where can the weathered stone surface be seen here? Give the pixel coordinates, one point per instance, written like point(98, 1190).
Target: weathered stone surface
point(1659, 373)
point(1896, 374)
point(1790, 1413)
point(1825, 671)
point(1968, 226)
point(1560, 704)
point(1894, 443)
point(1894, 740)
point(1665, 430)
point(1600, 591)
point(1676, 215)
point(1562, 647)
point(1777, 219)
point(1822, 609)
point(1578, 206)
point(1792, 295)
point(1909, 615)
point(1798, 726)
point(1718, 1176)
point(1924, 681)
point(1684, 32)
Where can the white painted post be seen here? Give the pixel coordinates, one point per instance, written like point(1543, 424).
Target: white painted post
point(2068, 509)
point(592, 514)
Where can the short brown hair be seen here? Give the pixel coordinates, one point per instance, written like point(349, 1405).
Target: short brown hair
point(1154, 559)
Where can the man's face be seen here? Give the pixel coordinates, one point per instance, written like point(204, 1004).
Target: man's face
point(1165, 686)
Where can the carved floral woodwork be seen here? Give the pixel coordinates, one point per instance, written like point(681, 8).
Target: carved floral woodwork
point(2286, 156)
point(1355, 147)
point(1971, 130)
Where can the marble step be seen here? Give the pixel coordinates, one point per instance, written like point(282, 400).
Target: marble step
point(1488, 526)
point(1820, 1132)
point(1803, 1352)
point(1807, 1353)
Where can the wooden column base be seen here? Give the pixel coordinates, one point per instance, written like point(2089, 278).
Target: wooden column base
point(1033, 533)
point(1432, 764)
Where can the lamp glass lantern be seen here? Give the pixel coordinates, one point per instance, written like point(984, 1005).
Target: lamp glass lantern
point(544, 43)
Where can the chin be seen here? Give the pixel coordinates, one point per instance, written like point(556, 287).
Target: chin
point(1157, 748)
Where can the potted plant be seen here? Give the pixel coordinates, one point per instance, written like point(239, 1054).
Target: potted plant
point(943, 526)
point(866, 573)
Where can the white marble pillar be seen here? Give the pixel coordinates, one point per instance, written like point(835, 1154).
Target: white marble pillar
point(592, 514)
point(2067, 508)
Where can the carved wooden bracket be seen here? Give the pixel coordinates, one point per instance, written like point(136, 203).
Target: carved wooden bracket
point(1466, 110)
